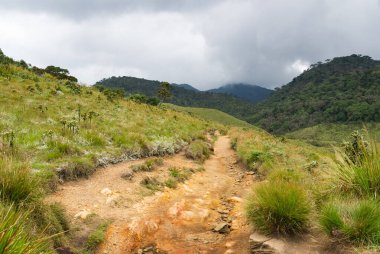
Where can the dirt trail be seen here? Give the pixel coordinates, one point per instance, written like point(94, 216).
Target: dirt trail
point(176, 221)
point(179, 221)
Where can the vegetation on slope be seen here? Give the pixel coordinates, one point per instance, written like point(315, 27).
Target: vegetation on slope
point(54, 129)
point(212, 115)
point(332, 133)
point(306, 190)
point(243, 91)
point(182, 96)
point(345, 89)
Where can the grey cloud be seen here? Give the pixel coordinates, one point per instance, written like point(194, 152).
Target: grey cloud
point(204, 43)
point(80, 9)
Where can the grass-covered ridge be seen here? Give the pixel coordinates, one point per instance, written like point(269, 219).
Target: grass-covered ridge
point(212, 115)
point(332, 133)
point(55, 129)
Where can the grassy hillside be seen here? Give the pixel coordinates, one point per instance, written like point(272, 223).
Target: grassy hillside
point(182, 96)
point(56, 130)
point(212, 115)
point(332, 134)
point(342, 90)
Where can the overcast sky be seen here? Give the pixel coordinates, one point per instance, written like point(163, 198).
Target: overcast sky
point(202, 43)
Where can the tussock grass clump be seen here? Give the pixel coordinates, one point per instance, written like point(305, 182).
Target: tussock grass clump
point(17, 184)
point(171, 183)
point(148, 165)
point(278, 207)
point(79, 167)
point(358, 168)
point(151, 183)
point(13, 233)
point(357, 222)
point(198, 150)
point(178, 175)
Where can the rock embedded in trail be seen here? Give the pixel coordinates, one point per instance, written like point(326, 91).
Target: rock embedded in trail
point(106, 191)
point(83, 214)
point(127, 175)
point(264, 245)
point(222, 228)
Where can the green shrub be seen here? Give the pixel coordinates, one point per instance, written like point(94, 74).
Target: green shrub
point(278, 207)
point(198, 150)
point(13, 234)
point(358, 222)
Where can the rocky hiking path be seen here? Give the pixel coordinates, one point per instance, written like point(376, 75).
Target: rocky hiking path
point(205, 214)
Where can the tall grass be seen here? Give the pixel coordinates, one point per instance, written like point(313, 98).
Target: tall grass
point(17, 184)
point(352, 220)
point(358, 169)
point(14, 238)
point(278, 207)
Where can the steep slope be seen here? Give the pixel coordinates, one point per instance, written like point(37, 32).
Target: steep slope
point(345, 89)
point(250, 93)
point(181, 96)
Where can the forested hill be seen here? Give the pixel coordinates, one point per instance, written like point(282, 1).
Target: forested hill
point(250, 93)
point(344, 89)
point(182, 96)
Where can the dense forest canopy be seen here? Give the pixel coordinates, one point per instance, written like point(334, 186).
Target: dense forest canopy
point(182, 96)
point(344, 89)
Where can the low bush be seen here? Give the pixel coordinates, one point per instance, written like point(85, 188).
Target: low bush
point(278, 207)
point(198, 150)
point(358, 221)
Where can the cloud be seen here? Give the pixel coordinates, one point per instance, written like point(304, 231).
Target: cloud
point(203, 43)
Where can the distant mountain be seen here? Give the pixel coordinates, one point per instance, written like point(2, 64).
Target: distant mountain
point(341, 90)
point(183, 95)
point(250, 93)
point(186, 86)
